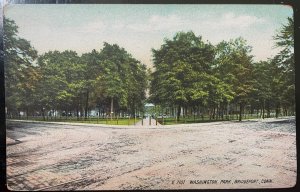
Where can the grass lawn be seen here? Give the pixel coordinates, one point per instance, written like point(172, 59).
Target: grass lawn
point(92, 120)
point(205, 119)
point(132, 121)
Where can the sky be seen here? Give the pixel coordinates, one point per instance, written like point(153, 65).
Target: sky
point(139, 28)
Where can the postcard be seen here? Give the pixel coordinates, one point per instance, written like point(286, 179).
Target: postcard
point(149, 96)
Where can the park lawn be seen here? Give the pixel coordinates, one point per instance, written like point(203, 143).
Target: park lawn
point(122, 121)
point(205, 119)
point(132, 121)
point(172, 121)
point(93, 120)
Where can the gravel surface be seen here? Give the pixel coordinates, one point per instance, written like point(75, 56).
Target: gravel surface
point(58, 156)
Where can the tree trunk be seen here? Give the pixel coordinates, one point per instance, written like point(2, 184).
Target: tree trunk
point(163, 120)
point(285, 111)
point(263, 110)
point(252, 110)
point(277, 110)
point(86, 104)
point(184, 114)
point(111, 108)
point(174, 114)
point(134, 114)
point(81, 112)
point(241, 110)
point(27, 113)
point(43, 113)
point(268, 109)
point(194, 114)
point(178, 112)
point(77, 113)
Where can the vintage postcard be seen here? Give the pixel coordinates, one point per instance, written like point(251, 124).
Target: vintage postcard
point(149, 96)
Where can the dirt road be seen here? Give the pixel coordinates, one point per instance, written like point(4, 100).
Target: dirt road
point(249, 154)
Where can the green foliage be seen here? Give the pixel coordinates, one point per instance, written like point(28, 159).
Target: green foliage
point(92, 79)
point(20, 73)
point(123, 79)
point(285, 61)
point(285, 37)
point(188, 74)
point(67, 82)
point(185, 73)
point(175, 63)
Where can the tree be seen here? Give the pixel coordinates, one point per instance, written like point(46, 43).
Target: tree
point(136, 83)
point(285, 59)
point(234, 66)
point(60, 83)
point(285, 37)
point(181, 64)
point(264, 74)
point(65, 82)
point(19, 57)
point(123, 79)
point(90, 72)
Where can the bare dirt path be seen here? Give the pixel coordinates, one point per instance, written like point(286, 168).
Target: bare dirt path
point(250, 154)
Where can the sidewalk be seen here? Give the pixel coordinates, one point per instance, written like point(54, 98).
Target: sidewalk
point(147, 123)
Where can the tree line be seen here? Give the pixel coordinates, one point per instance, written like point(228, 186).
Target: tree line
point(196, 77)
point(190, 77)
point(110, 80)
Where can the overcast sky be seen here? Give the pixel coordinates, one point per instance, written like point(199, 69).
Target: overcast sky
point(139, 28)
